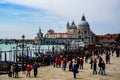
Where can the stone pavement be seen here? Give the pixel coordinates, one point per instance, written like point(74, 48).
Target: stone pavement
point(51, 73)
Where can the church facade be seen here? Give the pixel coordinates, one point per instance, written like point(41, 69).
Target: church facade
point(82, 32)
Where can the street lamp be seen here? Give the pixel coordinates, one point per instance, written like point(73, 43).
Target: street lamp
point(23, 37)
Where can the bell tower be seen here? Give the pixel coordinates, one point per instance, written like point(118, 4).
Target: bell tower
point(68, 27)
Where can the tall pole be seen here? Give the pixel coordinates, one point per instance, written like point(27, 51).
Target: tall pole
point(10, 54)
point(16, 53)
point(28, 51)
point(0, 55)
point(53, 48)
point(13, 53)
point(5, 56)
point(38, 48)
point(23, 37)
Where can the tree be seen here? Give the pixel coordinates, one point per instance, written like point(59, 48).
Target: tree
point(118, 38)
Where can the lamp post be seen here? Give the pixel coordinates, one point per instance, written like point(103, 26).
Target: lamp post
point(23, 37)
point(16, 52)
point(53, 48)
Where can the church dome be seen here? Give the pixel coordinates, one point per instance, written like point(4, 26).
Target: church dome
point(83, 22)
point(73, 26)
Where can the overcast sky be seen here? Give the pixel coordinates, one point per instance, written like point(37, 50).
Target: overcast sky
point(18, 17)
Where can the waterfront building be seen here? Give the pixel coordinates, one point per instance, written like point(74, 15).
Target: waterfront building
point(82, 32)
point(107, 38)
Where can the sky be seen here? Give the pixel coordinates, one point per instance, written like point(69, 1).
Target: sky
point(18, 17)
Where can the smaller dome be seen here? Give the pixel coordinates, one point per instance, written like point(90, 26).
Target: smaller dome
point(73, 26)
point(84, 24)
point(50, 31)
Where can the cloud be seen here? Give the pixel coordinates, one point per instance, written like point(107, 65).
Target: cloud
point(95, 10)
point(69, 7)
point(101, 14)
point(17, 20)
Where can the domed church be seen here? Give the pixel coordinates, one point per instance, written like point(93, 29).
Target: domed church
point(81, 31)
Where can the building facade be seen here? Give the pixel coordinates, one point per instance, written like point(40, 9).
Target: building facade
point(39, 37)
point(81, 32)
point(107, 38)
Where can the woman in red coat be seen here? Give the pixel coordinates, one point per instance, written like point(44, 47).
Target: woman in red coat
point(28, 69)
point(57, 61)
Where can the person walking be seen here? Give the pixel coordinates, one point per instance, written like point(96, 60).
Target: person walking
point(70, 65)
point(91, 62)
point(64, 63)
point(81, 63)
point(12, 70)
point(9, 67)
point(74, 68)
point(107, 58)
point(100, 65)
point(35, 68)
point(28, 69)
point(103, 68)
point(95, 66)
point(16, 67)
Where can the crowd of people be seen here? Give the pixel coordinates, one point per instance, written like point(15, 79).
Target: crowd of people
point(14, 69)
point(75, 60)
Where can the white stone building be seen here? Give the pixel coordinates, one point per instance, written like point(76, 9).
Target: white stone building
point(82, 32)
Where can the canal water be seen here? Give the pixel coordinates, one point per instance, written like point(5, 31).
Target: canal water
point(10, 50)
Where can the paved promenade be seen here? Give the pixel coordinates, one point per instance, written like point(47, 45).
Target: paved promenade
point(51, 73)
